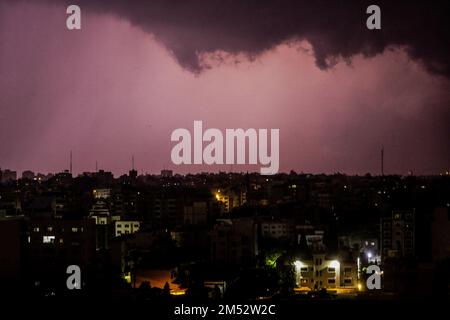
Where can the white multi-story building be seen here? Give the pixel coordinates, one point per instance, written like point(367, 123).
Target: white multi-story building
point(196, 214)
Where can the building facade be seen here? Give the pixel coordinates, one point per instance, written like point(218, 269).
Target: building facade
point(397, 235)
point(321, 271)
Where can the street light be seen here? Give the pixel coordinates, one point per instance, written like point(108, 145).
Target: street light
point(298, 264)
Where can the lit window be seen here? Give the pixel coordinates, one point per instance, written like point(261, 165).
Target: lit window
point(48, 239)
point(49, 229)
point(61, 241)
point(36, 229)
point(74, 229)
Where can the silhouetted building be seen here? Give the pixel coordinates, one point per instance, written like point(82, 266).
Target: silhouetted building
point(124, 227)
point(166, 173)
point(13, 249)
point(27, 174)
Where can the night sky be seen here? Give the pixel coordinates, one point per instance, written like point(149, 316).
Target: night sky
point(140, 69)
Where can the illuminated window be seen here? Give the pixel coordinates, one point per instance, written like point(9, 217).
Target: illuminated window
point(36, 229)
point(61, 241)
point(74, 229)
point(48, 239)
point(49, 229)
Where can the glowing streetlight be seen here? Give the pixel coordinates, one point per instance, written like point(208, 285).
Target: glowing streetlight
point(298, 264)
point(334, 264)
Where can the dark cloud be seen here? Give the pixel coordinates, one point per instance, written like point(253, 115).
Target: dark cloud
point(336, 29)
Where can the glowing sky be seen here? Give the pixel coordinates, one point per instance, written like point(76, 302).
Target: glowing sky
point(113, 90)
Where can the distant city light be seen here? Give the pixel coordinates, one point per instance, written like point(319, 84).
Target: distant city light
point(178, 292)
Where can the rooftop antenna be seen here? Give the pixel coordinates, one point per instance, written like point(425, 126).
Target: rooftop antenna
point(382, 160)
point(70, 170)
point(96, 166)
point(132, 163)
